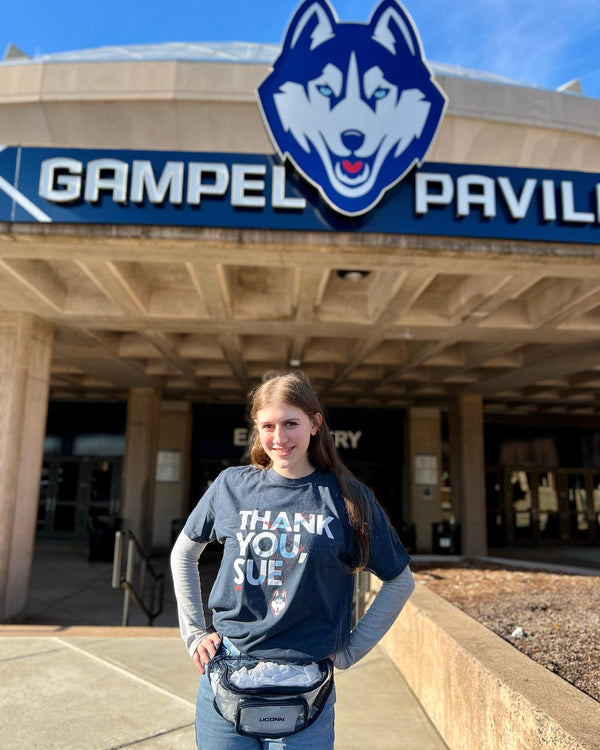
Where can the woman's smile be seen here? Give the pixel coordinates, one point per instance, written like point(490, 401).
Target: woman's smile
point(285, 433)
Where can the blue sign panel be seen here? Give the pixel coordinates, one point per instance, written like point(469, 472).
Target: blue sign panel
point(259, 192)
point(8, 171)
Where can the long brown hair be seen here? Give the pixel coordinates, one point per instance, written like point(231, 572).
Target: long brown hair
point(294, 389)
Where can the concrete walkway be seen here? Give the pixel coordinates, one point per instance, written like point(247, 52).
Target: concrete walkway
point(71, 681)
point(102, 689)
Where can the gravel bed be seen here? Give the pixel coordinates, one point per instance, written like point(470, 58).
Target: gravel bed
point(553, 618)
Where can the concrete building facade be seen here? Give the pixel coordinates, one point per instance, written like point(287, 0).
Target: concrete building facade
point(429, 339)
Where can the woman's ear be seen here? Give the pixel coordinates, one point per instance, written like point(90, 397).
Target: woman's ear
point(317, 422)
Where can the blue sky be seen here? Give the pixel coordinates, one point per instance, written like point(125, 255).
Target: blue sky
point(540, 42)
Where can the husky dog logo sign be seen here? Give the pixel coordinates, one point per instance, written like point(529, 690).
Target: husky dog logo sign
point(354, 106)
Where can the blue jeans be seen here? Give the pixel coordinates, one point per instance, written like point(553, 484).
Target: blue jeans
point(214, 733)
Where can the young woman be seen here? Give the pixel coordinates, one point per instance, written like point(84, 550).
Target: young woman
point(295, 525)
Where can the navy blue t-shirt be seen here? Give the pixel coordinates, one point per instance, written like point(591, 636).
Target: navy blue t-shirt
point(284, 587)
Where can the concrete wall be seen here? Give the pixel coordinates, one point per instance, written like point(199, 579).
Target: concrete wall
point(479, 691)
point(183, 105)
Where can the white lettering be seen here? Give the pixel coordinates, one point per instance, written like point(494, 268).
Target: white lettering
point(475, 190)
point(278, 196)
point(242, 183)
point(341, 438)
point(63, 180)
point(262, 573)
point(518, 206)
point(271, 540)
point(548, 200)
point(115, 182)
point(238, 566)
point(283, 548)
point(424, 199)
point(247, 182)
point(244, 541)
point(240, 436)
point(265, 520)
point(197, 187)
point(323, 525)
point(354, 438)
point(252, 517)
point(346, 438)
point(171, 179)
point(568, 205)
point(60, 188)
point(246, 515)
point(282, 522)
point(307, 522)
point(266, 570)
point(274, 573)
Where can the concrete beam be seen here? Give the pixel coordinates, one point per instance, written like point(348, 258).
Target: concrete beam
point(139, 467)
point(467, 471)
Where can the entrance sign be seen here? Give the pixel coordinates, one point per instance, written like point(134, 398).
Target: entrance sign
point(353, 106)
point(250, 191)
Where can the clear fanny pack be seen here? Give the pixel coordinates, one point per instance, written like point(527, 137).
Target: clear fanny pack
point(269, 698)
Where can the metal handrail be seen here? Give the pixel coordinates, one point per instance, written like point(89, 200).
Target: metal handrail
point(362, 582)
point(127, 582)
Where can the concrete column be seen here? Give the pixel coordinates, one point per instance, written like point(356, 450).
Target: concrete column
point(25, 356)
point(173, 472)
point(139, 465)
point(467, 471)
point(424, 467)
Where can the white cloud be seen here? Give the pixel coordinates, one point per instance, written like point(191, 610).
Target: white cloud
point(542, 42)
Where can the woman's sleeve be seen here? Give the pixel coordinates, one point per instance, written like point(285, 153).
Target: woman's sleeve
point(387, 557)
point(378, 619)
point(188, 592)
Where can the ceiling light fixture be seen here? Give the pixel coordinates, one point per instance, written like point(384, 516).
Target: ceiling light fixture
point(352, 275)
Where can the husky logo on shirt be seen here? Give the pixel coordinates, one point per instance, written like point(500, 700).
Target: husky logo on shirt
point(354, 106)
point(278, 602)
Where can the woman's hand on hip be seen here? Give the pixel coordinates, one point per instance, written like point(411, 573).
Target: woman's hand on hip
point(206, 650)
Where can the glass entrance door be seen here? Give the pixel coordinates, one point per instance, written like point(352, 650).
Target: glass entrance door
point(74, 490)
point(105, 484)
point(595, 506)
point(581, 504)
point(533, 505)
point(59, 511)
point(519, 502)
point(552, 505)
point(548, 506)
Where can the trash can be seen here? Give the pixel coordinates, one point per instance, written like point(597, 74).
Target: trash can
point(102, 537)
point(408, 536)
point(446, 538)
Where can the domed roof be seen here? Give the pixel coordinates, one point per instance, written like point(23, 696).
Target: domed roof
point(236, 52)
